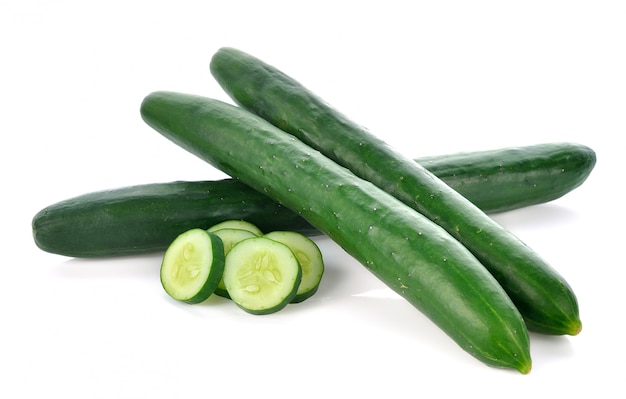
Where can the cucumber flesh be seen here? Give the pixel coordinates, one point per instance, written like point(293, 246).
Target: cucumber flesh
point(310, 258)
point(192, 266)
point(237, 224)
point(229, 238)
point(262, 275)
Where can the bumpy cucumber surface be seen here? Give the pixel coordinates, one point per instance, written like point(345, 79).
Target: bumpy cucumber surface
point(412, 255)
point(498, 180)
point(146, 218)
point(542, 295)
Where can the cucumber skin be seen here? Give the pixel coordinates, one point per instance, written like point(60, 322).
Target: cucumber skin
point(505, 179)
point(413, 256)
point(546, 301)
point(146, 218)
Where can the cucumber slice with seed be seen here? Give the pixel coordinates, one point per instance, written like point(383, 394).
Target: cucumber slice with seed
point(310, 258)
point(237, 224)
point(192, 266)
point(262, 275)
point(229, 238)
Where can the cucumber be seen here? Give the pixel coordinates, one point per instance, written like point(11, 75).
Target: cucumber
point(545, 299)
point(310, 258)
point(146, 218)
point(412, 255)
point(230, 237)
point(237, 224)
point(192, 266)
point(261, 275)
point(498, 180)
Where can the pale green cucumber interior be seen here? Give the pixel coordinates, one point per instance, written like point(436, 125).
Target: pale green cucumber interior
point(309, 256)
point(230, 237)
point(236, 224)
point(187, 264)
point(261, 275)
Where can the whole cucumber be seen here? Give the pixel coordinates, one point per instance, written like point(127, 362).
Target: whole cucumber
point(146, 218)
point(542, 295)
point(504, 179)
point(412, 255)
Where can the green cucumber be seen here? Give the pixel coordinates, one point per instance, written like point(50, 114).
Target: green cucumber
point(146, 218)
point(229, 238)
point(310, 258)
point(237, 224)
point(504, 179)
point(261, 275)
point(412, 255)
point(542, 295)
point(192, 266)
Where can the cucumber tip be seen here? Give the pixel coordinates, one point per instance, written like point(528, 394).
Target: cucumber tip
point(525, 368)
point(576, 328)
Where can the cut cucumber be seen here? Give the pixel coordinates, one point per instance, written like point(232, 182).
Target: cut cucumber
point(262, 275)
point(237, 224)
point(229, 238)
point(310, 258)
point(192, 266)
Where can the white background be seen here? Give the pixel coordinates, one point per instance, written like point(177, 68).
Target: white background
point(428, 77)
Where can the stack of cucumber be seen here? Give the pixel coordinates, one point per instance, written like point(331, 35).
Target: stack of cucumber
point(301, 168)
point(262, 273)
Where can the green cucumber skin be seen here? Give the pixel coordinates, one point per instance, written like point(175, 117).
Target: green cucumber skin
point(413, 256)
point(146, 218)
point(544, 298)
point(505, 179)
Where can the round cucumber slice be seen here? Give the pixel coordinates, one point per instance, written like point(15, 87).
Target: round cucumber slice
point(310, 258)
point(236, 224)
point(261, 275)
point(192, 266)
point(229, 238)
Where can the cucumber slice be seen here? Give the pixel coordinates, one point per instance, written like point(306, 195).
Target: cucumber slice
point(236, 224)
point(229, 238)
point(310, 258)
point(192, 266)
point(262, 275)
